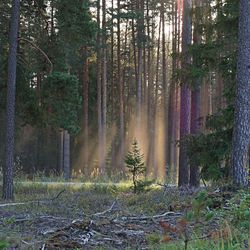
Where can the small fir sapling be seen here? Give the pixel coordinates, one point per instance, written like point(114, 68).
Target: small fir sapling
point(136, 166)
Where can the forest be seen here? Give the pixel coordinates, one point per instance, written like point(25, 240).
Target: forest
point(125, 124)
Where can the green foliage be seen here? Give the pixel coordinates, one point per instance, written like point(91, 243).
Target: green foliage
point(76, 29)
point(61, 101)
point(199, 204)
point(3, 244)
point(211, 150)
point(216, 55)
point(239, 211)
point(136, 166)
point(153, 239)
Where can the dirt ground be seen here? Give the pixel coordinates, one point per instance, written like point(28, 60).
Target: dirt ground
point(94, 217)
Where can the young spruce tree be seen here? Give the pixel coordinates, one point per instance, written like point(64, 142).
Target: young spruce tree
point(136, 166)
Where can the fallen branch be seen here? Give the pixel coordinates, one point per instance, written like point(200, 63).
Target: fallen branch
point(30, 243)
point(158, 216)
point(15, 204)
point(106, 211)
point(129, 233)
point(57, 196)
point(50, 217)
point(32, 202)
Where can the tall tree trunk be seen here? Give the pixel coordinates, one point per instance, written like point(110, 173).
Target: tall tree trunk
point(66, 155)
point(155, 134)
point(185, 94)
point(195, 96)
point(52, 19)
point(164, 85)
point(104, 86)
point(99, 91)
point(85, 109)
point(176, 99)
point(11, 92)
point(149, 95)
point(121, 89)
point(241, 133)
point(134, 46)
point(171, 112)
point(112, 84)
point(140, 28)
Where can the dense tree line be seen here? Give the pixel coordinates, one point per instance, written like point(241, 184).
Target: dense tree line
point(93, 75)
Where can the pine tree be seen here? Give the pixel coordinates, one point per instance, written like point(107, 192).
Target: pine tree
point(241, 134)
point(12, 65)
point(185, 94)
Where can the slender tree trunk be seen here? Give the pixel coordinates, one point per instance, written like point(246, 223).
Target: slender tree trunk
point(195, 97)
point(149, 96)
point(85, 110)
point(99, 91)
point(112, 84)
point(52, 18)
point(104, 86)
point(241, 133)
point(185, 95)
point(11, 92)
point(155, 134)
point(121, 89)
point(176, 99)
point(61, 151)
point(164, 85)
point(66, 155)
point(134, 47)
point(172, 89)
point(140, 28)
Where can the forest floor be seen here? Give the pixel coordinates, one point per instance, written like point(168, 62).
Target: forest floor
point(109, 216)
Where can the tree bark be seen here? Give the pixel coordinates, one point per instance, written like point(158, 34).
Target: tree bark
point(164, 86)
point(104, 86)
point(140, 28)
point(61, 151)
point(11, 92)
point(185, 95)
point(85, 110)
point(155, 132)
point(99, 91)
point(121, 89)
point(66, 155)
point(241, 133)
point(195, 97)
